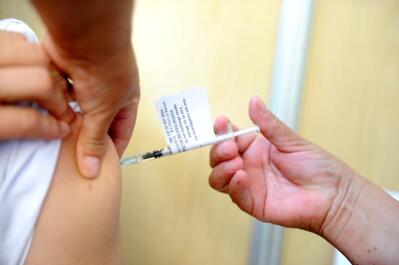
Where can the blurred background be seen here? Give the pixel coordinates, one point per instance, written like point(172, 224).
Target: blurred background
point(349, 106)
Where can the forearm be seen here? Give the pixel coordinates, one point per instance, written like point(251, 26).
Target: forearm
point(363, 222)
point(92, 28)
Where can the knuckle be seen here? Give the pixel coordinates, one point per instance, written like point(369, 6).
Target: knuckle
point(229, 169)
point(135, 95)
point(212, 180)
point(60, 105)
point(212, 160)
point(233, 166)
point(29, 120)
point(44, 82)
point(219, 183)
point(227, 150)
point(47, 85)
point(275, 122)
point(38, 52)
point(94, 146)
point(212, 163)
point(16, 37)
point(52, 126)
point(59, 81)
point(64, 108)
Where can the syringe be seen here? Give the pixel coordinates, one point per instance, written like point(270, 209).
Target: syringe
point(167, 151)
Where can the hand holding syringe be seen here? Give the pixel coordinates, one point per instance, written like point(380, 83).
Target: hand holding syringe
point(187, 124)
point(167, 151)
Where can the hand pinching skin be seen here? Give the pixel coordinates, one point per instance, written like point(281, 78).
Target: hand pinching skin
point(26, 75)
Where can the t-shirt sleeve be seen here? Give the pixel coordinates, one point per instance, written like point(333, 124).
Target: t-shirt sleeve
point(26, 170)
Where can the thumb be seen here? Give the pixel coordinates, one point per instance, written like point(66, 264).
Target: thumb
point(91, 144)
point(274, 130)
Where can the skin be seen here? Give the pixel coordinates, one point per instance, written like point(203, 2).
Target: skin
point(79, 221)
point(26, 74)
point(90, 41)
point(281, 178)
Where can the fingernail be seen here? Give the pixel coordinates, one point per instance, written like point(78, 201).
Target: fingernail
point(65, 129)
point(91, 166)
point(261, 104)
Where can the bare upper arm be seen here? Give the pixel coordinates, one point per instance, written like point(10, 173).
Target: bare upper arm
point(79, 221)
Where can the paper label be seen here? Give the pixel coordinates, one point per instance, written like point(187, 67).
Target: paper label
point(185, 118)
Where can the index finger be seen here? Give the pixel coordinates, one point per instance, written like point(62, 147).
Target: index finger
point(225, 150)
point(16, 50)
point(35, 83)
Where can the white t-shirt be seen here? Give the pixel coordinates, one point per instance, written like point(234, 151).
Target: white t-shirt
point(26, 170)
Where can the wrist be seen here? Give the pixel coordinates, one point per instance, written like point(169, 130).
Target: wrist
point(344, 204)
point(362, 222)
point(105, 63)
point(91, 28)
point(88, 49)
